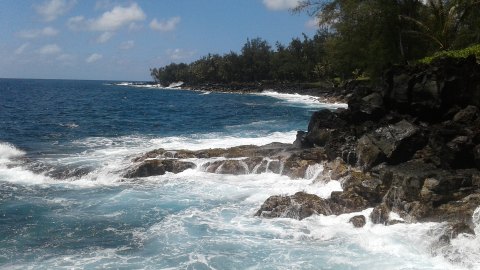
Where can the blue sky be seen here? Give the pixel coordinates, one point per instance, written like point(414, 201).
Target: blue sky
point(121, 40)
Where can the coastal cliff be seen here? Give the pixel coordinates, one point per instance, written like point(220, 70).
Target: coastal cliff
point(411, 146)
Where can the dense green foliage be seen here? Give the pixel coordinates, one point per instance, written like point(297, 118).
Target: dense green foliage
point(462, 53)
point(369, 34)
point(359, 38)
point(301, 60)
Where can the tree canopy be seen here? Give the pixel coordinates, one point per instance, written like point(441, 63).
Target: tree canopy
point(356, 37)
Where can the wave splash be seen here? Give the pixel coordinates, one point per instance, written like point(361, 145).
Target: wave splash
point(205, 215)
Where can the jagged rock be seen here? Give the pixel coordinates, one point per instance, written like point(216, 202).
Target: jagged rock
point(406, 182)
point(159, 167)
point(338, 169)
point(368, 153)
point(320, 128)
point(429, 91)
point(455, 211)
point(467, 115)
point(298, 206)
point(358, 221)
point(380, 214)
point(268, 150)
point(302, 205)
point(452, 230)
point(395, 221)
point(347, 202)
point(295, 167)
point(393, 143)
point(300, 140)
point(366, 186)
point(369, 107)
point(235, 167)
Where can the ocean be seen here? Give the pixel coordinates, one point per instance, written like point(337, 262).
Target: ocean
point(64, 146)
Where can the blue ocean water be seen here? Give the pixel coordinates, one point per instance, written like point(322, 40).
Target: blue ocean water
point(64, 204)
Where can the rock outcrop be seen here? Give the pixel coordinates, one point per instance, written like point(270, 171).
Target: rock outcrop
point(415, 141)
point(154, 167)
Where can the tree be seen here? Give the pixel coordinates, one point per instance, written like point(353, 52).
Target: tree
point(447, 24)
point(256, 57)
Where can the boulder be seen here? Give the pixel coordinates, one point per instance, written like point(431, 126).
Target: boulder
point(154, 167)
point(393, 143)
point(298, 206)
point(368, 153)
point(235, 167)
point(338, 169)
point(358, 221)
point(380, 214)
point(320, 128)
point(369, 107)
point(295, 167)
point(467, 115)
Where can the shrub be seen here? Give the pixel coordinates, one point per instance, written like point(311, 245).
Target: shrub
point(462, 53)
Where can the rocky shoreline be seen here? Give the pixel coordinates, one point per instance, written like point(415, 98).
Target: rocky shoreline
point(325, 92)
point(410, 146)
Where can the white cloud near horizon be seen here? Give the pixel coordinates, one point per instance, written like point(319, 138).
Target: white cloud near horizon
point(22, 48)
point(165, 26)
point(35, 33)
point(50, 49)
point(52, 9)
point(280, 4)
point(94, 57)
point(103, 38)
point(127, 45)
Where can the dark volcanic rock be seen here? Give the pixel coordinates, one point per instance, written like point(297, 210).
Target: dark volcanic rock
point(429, 91)
point(235, 167)
point(298, 206)
point(159, 167)
point(358, 221)
point(320, 128)
point(380, 214)
point(393, 143)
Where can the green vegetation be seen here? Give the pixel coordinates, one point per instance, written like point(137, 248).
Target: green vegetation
point(301, 60)
point(357, 40)
point(462, 53)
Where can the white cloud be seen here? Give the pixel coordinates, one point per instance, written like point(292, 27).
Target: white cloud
point(117, 17)
point(127, 45)
point(94, 57)
point(52, 9)
point(165, 26)
point(179, 54)
point(67, 59)
point(35, 33)
point(76, 23)
point(280, 4)
point(312, 23)
point(104, 37)
point(50, 49)
point(134, 27)
point(22, 48)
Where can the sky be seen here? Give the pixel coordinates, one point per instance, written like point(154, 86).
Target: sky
point(122, 40)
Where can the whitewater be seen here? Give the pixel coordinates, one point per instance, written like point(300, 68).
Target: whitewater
point(64, 146)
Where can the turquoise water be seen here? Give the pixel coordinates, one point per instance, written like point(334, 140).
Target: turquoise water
point(64, 204)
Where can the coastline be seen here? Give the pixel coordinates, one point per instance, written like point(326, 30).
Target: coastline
point(325, 94)
point(409, 150)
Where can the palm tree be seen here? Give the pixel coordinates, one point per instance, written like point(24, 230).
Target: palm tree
point(444, 22)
